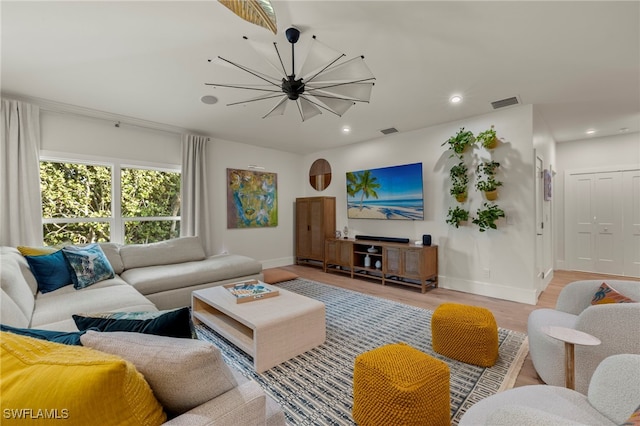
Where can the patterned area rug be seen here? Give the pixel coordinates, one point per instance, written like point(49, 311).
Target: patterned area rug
point(315, 388)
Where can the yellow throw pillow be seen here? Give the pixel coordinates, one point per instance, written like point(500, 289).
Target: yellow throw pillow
point(36, 251)
point(76, 385)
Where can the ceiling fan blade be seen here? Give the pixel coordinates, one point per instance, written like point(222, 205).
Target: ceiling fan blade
point(275, 81)
point(307, 109)
point(319, 56)
point(359, 92)
point(259, 12)
point(336, 105)
point(278, 109)
point(258, 98)
point(352, 70)
point(269, 53)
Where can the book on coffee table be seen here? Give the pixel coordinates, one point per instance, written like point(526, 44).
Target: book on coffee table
point(247, 291)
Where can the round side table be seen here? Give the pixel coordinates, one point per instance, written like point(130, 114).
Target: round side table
point(570, 337)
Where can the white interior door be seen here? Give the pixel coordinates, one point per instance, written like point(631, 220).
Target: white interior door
point(631, 227)
point(595, 238)
point(607, 203)
point(540, 267)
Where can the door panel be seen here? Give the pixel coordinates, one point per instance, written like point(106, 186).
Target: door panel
point(631, 212)
point(608, 223)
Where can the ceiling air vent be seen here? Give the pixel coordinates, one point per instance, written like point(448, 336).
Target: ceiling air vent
point(505, 102)
point(389, 131)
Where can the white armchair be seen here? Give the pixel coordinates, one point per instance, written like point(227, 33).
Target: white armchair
point(614, 394)
point(616, 325)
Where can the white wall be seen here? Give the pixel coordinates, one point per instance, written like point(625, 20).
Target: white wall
point(604, 153)
point(496, 263)
point(72, 133)
point(272, 246)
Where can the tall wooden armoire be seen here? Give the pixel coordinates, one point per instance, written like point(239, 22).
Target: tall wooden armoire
point(315, 222)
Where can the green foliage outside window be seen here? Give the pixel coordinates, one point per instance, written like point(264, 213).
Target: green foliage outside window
point(79, 191)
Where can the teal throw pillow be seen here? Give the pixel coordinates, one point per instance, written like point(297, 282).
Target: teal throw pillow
point(70, 338)
point(89, 265)
point(50, 270)
point(171, 323)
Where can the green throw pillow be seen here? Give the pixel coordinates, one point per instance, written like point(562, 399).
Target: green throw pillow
point(171, 323)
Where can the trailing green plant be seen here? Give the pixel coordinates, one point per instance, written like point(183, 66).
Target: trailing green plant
point(487, 216)
point(459, 142)
point(457, 215)
point(488, 184)
point(487, 168)
point(459, 179)
point(488, 138)
point(486, 176)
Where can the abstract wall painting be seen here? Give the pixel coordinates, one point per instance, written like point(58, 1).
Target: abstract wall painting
point(252, 199)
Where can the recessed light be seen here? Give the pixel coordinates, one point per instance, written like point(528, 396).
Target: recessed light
point(346, 129)
point(208, 99)
point(455, 99)
point(590, 131)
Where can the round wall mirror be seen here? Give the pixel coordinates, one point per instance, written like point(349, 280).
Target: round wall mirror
point(320, 174)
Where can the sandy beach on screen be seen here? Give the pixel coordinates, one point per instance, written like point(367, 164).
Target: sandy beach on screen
point(384, 212)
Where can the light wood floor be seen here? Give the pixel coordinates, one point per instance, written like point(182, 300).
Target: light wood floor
point(510, 315)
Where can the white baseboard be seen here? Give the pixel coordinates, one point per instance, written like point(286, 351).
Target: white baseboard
point(498, 291)
point(274, 263)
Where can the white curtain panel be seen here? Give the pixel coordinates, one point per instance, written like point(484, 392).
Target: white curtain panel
point(20, 202)
point(195, 211)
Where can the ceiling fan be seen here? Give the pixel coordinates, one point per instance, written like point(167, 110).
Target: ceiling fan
point(323, 82)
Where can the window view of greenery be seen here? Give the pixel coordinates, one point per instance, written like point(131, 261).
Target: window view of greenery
point(150, 194)
point(77, 204)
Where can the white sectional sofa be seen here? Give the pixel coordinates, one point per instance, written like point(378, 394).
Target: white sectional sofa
point(148, 277)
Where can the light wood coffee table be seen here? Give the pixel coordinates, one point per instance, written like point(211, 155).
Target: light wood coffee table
point(271, 330)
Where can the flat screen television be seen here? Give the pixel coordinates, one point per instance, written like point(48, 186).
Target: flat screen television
point(386, 193)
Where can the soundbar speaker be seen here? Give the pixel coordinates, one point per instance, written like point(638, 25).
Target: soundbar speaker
point(426, 240)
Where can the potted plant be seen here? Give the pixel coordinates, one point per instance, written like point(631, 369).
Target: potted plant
point(457, 216)
point(460, 142)
point(487, 215)
point(488, 138)
point(487, 182)
point(459, 181)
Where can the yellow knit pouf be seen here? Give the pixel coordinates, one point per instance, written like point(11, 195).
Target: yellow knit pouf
point(400, 385)
point(465, 333)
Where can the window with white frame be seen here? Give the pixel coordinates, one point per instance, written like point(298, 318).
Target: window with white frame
point(87, 201)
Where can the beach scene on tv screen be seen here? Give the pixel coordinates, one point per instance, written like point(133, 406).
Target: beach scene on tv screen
point(386, 193)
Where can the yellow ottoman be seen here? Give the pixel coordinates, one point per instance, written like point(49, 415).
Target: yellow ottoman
point(399, 385)
point(466, 333)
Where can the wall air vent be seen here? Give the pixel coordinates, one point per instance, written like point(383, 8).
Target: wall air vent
point(505, 102)
point(389, 131)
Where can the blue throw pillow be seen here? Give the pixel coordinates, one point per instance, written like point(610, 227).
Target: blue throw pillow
point(51, 271)
point(71, 338)
point(89, 265)
point(171, 323)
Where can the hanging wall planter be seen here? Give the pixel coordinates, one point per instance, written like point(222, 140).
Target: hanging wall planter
point(487, 182)
point(460, 142)
point(487, 216)
point(457, 216)
point(488, 139)
point(459, 181)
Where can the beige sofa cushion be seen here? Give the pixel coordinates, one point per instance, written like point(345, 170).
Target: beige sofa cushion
point(18, 288)
point(112, 251)
point(155, 279)
point(53, 310)
point(183, 373)
point(184, 249)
